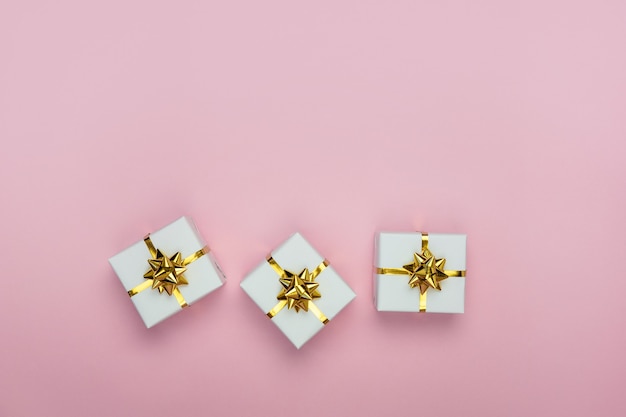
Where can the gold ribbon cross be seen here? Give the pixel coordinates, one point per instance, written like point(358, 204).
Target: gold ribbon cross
point(426, 271)
point(166, 273)
point(299, 290)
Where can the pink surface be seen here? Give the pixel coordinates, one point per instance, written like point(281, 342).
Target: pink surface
point(502, 120)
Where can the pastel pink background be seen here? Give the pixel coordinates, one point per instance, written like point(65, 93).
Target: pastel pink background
point(502, 120)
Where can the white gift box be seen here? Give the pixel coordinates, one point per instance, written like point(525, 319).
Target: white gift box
point(263, 286)
point(203, 275)
point(393, 293)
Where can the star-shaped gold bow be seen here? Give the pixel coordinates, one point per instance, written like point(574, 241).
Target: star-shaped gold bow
point(426, 271)
point(166, 273)
point(298, 290)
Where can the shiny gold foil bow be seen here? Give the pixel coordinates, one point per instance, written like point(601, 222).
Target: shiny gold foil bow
point(299, 290)
point(426, 271)
point(166, 273)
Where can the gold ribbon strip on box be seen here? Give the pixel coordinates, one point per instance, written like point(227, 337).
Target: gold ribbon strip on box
point(299, 290)
point(426, 271)
point(166, 273)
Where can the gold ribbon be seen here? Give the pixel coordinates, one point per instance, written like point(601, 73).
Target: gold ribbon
point(166, 273)
point(426, 271)
point(299, 290)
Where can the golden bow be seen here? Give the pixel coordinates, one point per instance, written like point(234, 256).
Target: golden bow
point(299, 290)
point(166, 273)
point(426, 271)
